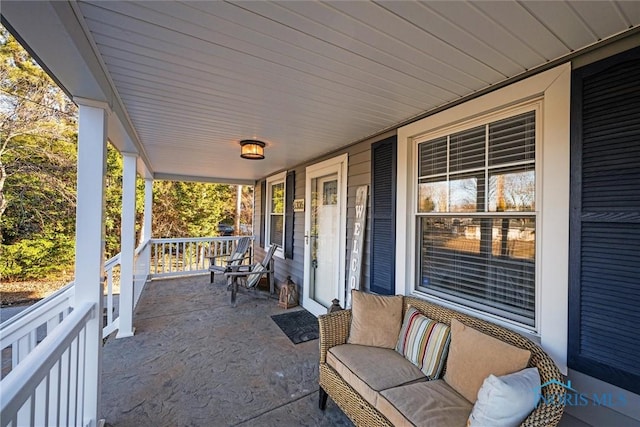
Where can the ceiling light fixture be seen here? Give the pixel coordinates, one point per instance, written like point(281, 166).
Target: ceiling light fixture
point(252, 149)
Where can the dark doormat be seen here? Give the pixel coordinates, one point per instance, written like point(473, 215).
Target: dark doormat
point(299, 326)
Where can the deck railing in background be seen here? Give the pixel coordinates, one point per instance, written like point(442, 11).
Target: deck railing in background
point(47, 388)
point(179, 257)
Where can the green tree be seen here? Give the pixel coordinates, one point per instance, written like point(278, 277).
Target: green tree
point(37, 167)
point(191, 209)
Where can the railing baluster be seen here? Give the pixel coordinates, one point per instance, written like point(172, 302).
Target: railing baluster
point(59, 393)
point(154, 255)
point(38, 414)
point(173, 255)
point(163, 257)
point(64, 389)
point(53, 322)
point(83, 337)
point(32, 409)
point(23, 347)
point(188, 255)
point(110, 296)
point(47, 399)
point(22, 418)
point(73, 397)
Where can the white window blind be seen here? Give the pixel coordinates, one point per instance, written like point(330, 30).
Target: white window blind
point(476, 217)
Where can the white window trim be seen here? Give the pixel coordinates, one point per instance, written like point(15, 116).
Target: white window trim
point(272, 180)
point(552, 176)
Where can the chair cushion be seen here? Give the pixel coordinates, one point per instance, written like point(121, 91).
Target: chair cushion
point(375, 319)
point(507, 400)
point(473, 356)
point(372, 369)
point(424, 342)
point(426, 404)
point(255, 275)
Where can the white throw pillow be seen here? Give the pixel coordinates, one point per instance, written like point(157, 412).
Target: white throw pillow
point(507, 400)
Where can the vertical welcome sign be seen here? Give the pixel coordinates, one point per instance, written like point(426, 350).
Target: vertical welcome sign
point(355, 245)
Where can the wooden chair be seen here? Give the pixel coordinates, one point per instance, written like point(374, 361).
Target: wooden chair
point(250, 275)
point(235, 258)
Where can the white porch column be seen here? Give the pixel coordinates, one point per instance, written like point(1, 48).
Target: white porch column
point(148, 211)
point(127, 245)
point(89, 268)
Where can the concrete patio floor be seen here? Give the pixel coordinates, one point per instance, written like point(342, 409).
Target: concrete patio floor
point(196, 361)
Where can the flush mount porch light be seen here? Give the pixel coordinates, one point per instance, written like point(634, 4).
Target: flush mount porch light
point(252, 149)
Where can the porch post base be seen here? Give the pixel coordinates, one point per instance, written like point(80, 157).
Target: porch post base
point(125, 334)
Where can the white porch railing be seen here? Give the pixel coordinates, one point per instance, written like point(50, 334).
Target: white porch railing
point(112, 276)
point(179, 257)
point(22, 333)
point(48, 387)
point(43, 384)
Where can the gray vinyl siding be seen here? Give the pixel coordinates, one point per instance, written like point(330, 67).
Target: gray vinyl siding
point(359, 173)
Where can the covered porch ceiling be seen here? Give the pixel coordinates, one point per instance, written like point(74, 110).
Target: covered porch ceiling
point(188, 80)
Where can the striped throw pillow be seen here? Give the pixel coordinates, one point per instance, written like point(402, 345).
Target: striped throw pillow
point(424, 342)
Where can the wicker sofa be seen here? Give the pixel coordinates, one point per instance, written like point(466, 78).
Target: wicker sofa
point(334, 331)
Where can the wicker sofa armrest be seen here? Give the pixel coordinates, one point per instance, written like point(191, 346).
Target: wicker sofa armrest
point(334, 330)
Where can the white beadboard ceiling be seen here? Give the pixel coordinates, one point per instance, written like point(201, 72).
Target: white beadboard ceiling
point(310, 77)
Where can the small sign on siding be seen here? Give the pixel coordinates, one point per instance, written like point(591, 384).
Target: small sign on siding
point(355, 244)
point(298, 205)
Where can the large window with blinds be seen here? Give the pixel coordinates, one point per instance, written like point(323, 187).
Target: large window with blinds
point(476, 215)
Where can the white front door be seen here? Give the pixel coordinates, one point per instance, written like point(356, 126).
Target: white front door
point(325, 234)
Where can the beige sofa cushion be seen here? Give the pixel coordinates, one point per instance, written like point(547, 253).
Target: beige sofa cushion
point(372, 369)
point(473, 356)
point(426, 404)
point(375, 319)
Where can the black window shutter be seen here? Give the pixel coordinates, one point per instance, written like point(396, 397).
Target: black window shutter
point(382, 270)
point(263, 207)
point(288, 212)
point(604, 295)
